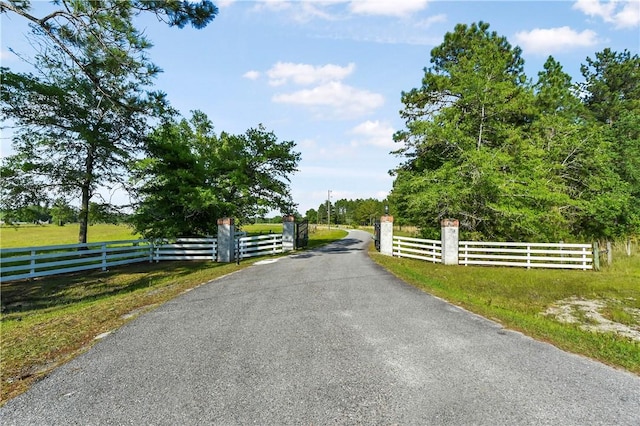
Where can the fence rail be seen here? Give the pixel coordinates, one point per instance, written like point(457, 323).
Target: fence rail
point(528, 255)
point(33, 262)
point(260, 245)
point(186, 249)
point(418, 248)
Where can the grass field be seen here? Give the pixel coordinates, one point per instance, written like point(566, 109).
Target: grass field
point(48, 321)
point(48, 235)
point(524, 300)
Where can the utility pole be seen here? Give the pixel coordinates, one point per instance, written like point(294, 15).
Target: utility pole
point(329, 209)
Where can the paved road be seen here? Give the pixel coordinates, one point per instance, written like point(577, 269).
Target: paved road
point(323, 337)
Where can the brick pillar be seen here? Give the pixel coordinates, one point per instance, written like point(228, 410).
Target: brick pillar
point(386, 235)
point(449, 238)
point(226, 240)
point(288, 233)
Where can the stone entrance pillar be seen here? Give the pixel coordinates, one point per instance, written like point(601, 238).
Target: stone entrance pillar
point(226, 240)
point(386, 235)
point(288, 233)
point(449, 237)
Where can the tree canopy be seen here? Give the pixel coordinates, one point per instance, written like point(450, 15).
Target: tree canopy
point(517, 160)
point(192, 176)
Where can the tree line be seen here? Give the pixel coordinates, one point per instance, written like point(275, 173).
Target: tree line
point(61, 213)
point(358, 212)
point(519, 159)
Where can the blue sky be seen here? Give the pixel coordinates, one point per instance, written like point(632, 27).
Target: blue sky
point(329, 74)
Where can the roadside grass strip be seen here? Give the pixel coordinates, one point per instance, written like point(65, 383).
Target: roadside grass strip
point(595, 314)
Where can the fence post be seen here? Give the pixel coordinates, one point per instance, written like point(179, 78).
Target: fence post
point(32, 271)
point(288, 232)
point(449, 238)
point(465, 255)
point(596, 256)
point(386, 235)
point(104, 257)
point(226, 240)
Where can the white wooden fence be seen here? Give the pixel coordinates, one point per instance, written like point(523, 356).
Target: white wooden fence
point(261, 245)
point(186, 249)
point(33, 262)
point(526, 255)
point(418, 248)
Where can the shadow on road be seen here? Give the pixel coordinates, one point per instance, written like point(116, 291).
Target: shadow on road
point(346, 245)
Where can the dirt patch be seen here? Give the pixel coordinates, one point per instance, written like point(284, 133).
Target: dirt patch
point(588, 313)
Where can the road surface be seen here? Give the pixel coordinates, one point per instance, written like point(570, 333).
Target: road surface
point(323, 337)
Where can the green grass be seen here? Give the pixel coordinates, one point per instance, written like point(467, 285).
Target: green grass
point(517, 298)
point(621, 314)
point(46, 235)
point(49, 235)
point(262, 228)
point(321, 236)
point(48, 321)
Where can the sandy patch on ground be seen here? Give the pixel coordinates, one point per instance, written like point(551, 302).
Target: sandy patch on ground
point(576, 311)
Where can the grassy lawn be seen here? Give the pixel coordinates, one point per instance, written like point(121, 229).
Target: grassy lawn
point(46, 322)
point(262, 228)
point(518, 299)
point(49, 235)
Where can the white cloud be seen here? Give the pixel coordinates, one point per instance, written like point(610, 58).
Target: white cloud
point(304, 11)
point(275, 5)
point(387, 8)
point(623, 13)
point(629, 16)
point(435, 19)
point(546, 41)
point(252, 75)
point(375, 133)
point(301, 11)
point(339, 100)
point(309, 10)
point(305, 74)
point(594, 7)
point(221, 4)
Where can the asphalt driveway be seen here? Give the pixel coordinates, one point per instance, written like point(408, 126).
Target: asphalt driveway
point(323, 337)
